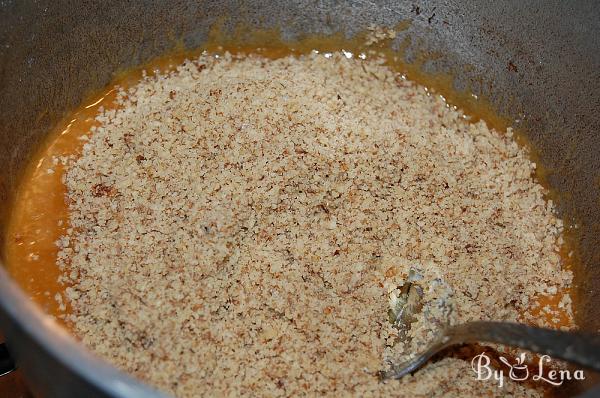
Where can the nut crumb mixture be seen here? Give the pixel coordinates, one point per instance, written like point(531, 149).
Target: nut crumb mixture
point(244, 226)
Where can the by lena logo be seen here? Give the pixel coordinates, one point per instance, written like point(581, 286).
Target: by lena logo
point(519, 371)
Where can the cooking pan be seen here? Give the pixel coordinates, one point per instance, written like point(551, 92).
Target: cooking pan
point(536, 62)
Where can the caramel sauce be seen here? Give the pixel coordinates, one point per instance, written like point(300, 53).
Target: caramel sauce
point(40, 216)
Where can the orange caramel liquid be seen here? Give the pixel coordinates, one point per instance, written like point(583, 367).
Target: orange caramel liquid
point(40, 213)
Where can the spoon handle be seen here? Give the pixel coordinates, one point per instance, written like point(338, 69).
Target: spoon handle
point(575, 347)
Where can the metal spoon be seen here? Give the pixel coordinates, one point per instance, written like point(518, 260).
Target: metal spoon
point(575, 347)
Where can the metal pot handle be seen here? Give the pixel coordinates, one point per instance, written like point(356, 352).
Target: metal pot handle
point(7, 364)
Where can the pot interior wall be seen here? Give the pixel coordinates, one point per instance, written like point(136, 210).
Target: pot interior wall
point(538, 62)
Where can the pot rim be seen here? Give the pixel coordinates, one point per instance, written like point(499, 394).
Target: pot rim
point(59, 344)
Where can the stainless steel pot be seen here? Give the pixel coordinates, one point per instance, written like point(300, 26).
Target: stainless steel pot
point(538, 62)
